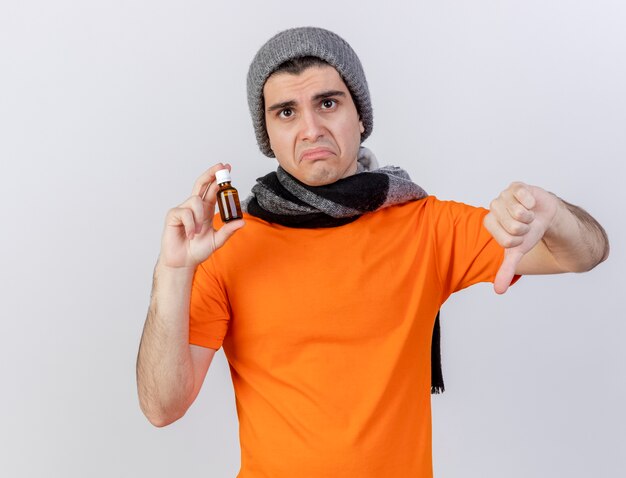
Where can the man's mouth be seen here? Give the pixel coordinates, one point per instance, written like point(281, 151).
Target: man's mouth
point(315, 153)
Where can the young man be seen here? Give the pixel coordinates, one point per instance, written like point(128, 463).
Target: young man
point(325, 299)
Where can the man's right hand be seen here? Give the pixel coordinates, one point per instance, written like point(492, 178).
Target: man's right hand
point(189, 237)
point(170, 371)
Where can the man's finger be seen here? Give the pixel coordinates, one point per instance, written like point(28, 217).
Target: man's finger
point(206, 178)
point(523, 194)
point(499, 233)
point(519, 213)
point(227, 230)
point(505, 274)
point(182, 216)
point(208, 196)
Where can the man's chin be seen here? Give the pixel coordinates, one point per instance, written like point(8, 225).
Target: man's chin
point(318, 178)
point(320, 175)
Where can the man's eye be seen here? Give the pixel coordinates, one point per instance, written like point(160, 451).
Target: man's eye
point(327, 104)
point(286, 113)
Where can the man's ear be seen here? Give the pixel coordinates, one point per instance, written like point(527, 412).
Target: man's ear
point(361, 127)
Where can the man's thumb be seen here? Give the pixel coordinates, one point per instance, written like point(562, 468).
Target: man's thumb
point(505, 274)
point(227, 230)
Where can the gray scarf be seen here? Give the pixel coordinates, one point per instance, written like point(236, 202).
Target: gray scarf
point(281, 198)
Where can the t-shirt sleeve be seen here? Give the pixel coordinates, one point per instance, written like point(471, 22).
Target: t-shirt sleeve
point(466, 252)
point(209, 311)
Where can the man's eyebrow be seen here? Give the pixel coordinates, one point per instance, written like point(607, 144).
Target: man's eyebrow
point(328, 94)
point(319, 96)
point(281, 106)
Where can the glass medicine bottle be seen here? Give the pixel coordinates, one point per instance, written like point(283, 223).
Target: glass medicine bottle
point(227, 197)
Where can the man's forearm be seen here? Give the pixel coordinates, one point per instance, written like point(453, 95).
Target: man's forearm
point(165, 377)
point(575, 239)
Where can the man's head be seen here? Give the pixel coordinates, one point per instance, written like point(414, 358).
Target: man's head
point(313, 125)
point(314, 62)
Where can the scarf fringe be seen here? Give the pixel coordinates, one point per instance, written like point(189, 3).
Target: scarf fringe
point(436, 372)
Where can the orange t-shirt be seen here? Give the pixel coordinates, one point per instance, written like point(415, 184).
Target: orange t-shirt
point(328, 334)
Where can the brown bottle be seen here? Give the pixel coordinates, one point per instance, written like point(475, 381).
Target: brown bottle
point(227, 197)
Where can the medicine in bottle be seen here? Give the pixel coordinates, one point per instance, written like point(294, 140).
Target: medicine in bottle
point(227, 197)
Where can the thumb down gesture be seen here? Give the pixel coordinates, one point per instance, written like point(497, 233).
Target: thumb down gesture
point(518, 219)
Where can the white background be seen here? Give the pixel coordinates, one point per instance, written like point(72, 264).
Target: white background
point(110, 110)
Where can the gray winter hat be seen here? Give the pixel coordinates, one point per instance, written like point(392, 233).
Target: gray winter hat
point(299, 42)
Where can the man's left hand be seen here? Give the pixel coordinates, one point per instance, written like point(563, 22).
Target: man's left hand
point(518, 220)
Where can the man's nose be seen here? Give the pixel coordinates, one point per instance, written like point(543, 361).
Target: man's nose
point(311, 126)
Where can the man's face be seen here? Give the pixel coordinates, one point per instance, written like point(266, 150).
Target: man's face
point(313, 125)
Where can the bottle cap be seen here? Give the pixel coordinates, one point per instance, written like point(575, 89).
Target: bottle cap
point(222, 176)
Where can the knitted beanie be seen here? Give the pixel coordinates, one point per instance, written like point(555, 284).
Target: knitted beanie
point(296, 43)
